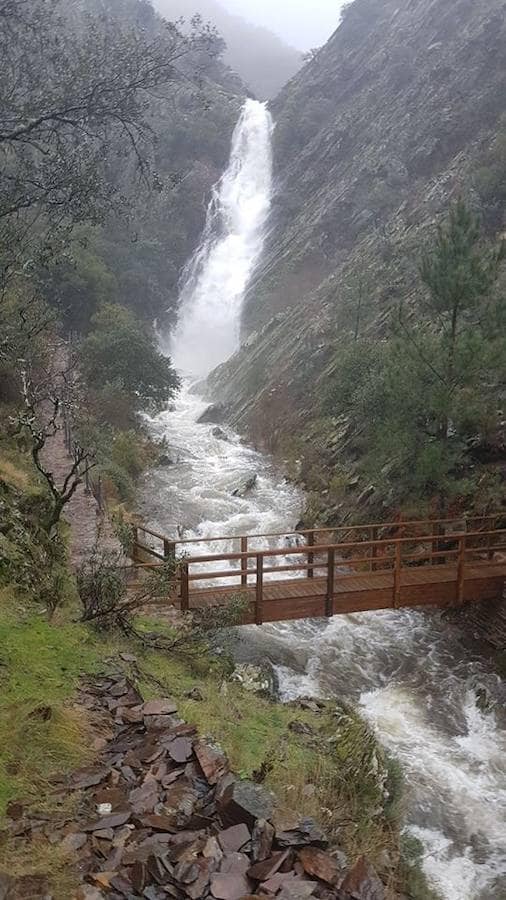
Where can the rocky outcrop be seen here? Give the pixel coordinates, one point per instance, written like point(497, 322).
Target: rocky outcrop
point(373, 138)
point(163, 816)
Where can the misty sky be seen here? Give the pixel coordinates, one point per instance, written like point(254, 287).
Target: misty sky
point(302, 23)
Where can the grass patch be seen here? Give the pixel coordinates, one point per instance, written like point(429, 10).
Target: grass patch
point(40, 733)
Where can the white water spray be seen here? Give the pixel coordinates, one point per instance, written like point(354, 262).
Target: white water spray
point(216, 278)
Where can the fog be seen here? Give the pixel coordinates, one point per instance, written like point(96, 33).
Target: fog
point(301, 23)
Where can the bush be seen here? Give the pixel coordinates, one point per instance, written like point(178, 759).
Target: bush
point(120, 350)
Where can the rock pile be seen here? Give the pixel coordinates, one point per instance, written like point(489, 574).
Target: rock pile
point(171, 821)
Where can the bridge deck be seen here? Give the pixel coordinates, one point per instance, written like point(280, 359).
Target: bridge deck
point(371, 567)
point(306, 597)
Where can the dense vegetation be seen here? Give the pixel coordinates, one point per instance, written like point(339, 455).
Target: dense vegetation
point(111, 135)
point(428, 394)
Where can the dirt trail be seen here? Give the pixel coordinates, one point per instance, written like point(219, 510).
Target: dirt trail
point(82, 512)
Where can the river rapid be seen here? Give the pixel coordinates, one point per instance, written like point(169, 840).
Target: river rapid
point(409, 672)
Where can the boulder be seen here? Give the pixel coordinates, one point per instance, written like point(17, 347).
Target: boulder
point(218, 433)
point(246, 802)
point(362, 882)
point(244, 489)
point(257, 679)
point(215, 414)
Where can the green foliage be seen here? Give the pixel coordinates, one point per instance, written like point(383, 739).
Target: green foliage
point(121, 351)
point(432, 388)
point(459, 270)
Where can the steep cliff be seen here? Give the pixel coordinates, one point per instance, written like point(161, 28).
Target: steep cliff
point(374, 137)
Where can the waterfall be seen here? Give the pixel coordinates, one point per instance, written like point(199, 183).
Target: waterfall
point(215, 279)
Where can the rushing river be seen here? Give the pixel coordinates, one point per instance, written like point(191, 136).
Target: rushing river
point(408, 671)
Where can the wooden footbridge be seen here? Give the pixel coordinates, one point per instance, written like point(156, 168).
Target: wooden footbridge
point(327, 572)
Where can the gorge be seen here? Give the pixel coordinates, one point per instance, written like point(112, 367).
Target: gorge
point(410, 673)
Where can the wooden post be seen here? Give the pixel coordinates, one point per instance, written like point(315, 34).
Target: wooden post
point(329, 600)
point(185, 586)
point(397, 574)
point(244, 562)
point(461, 570)
point(260, 589)
point(310, 556)
point(374, 548)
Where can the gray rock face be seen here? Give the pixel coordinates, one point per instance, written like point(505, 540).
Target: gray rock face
point(373, 137)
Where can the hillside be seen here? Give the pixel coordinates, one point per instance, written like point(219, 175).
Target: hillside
point(260, 57)
point(398, 115)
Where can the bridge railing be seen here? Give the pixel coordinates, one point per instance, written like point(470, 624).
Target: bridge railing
point(150, 543)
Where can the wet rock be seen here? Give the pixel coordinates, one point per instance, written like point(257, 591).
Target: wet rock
point(247, 802)
point(246, 487)
point(306, 832)
point(261, 840)
point(257, 679)
point(262, 871)
point(113, 821)
point(159, 707)
point(212, 760)
point(320, 864)
point(229, 886)
point(165, 460)
point(219, 434)
point(88, 777)
point(73, 842)
point(235, 837)
point(215, 414)
point(362, 882)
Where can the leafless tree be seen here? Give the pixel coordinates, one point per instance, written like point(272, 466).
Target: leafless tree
point(47, 398)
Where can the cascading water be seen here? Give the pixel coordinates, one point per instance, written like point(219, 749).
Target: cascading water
point(216, 277)
point(416, 683)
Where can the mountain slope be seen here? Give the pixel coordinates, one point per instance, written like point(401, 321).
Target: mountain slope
point(374, 138)
point(260, 57)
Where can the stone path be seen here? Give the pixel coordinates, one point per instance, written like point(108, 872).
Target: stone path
point(163, 817)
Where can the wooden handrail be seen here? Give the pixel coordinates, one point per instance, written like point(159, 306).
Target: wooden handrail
point(323, 548)
point(367, 526)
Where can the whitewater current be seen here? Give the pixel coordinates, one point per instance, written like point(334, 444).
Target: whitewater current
point(409, 672)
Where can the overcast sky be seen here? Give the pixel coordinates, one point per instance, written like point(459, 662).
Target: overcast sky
point(302, 23)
